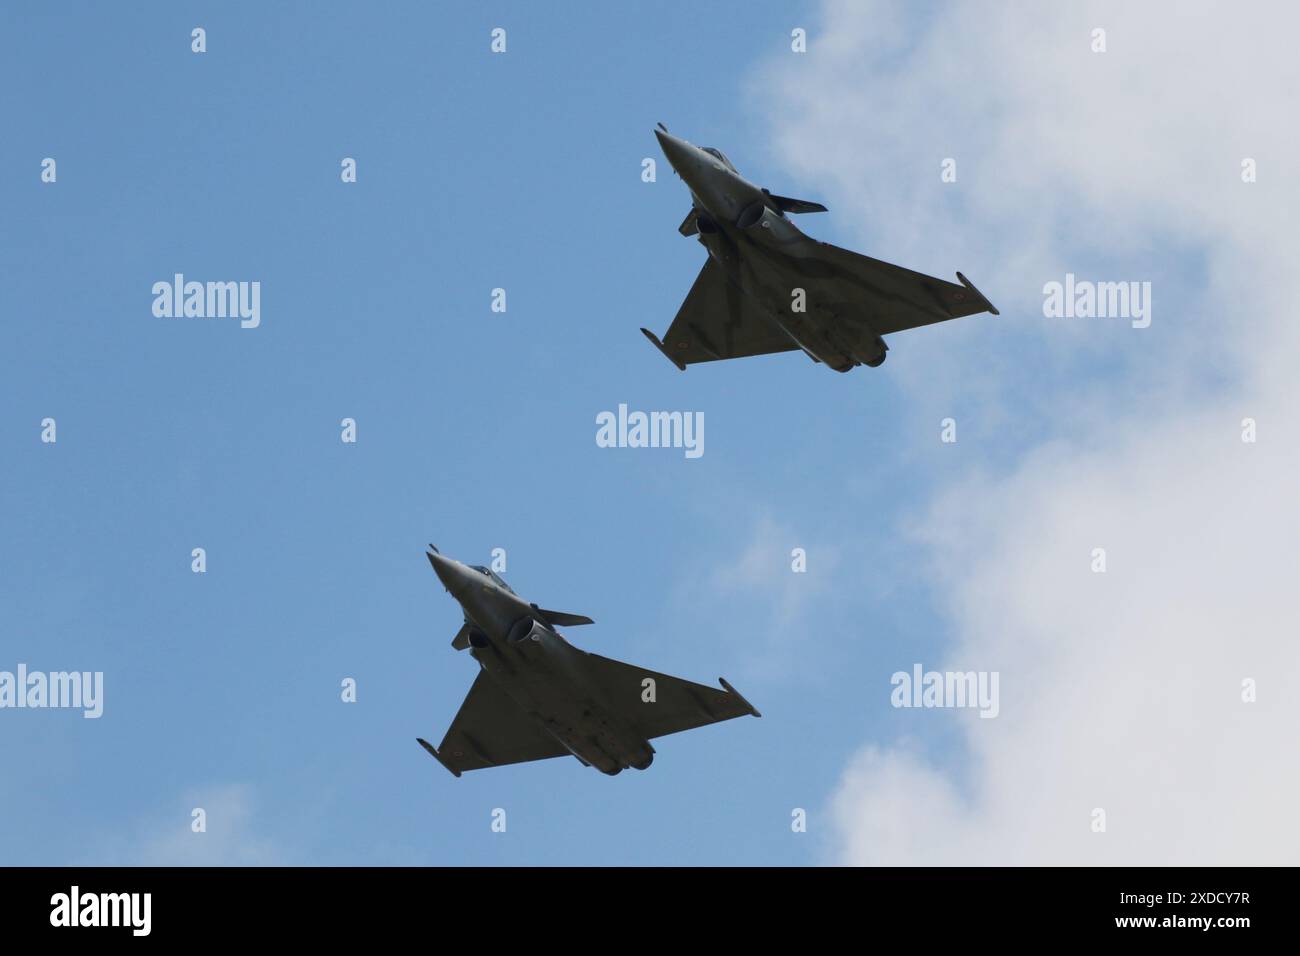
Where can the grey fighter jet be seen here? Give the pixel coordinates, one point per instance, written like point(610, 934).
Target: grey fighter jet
point(537, 696)
point(767, 287)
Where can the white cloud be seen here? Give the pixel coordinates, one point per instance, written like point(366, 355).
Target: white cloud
point(1119, 690)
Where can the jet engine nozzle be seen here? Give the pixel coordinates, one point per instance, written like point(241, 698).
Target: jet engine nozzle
point(524, 629)
point(874, 355)
point(751, 215)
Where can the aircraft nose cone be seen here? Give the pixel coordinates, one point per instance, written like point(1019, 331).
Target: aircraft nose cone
point(448, 571)
point(677, 150)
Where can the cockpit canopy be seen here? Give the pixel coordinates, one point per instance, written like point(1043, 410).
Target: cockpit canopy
point(717, 154)
point(489, 573)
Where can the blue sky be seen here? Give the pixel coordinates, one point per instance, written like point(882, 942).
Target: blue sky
point(475, 431)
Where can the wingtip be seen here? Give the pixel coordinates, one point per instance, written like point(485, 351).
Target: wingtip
point(971, 286)
point(657, 343)
point(739, 696)
point(436, 756)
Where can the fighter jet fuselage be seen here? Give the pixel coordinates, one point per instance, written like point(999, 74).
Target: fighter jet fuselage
point(770, 288)
point(590, 706)
point(759, 261)
point(759, 249)
point(541, 671)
